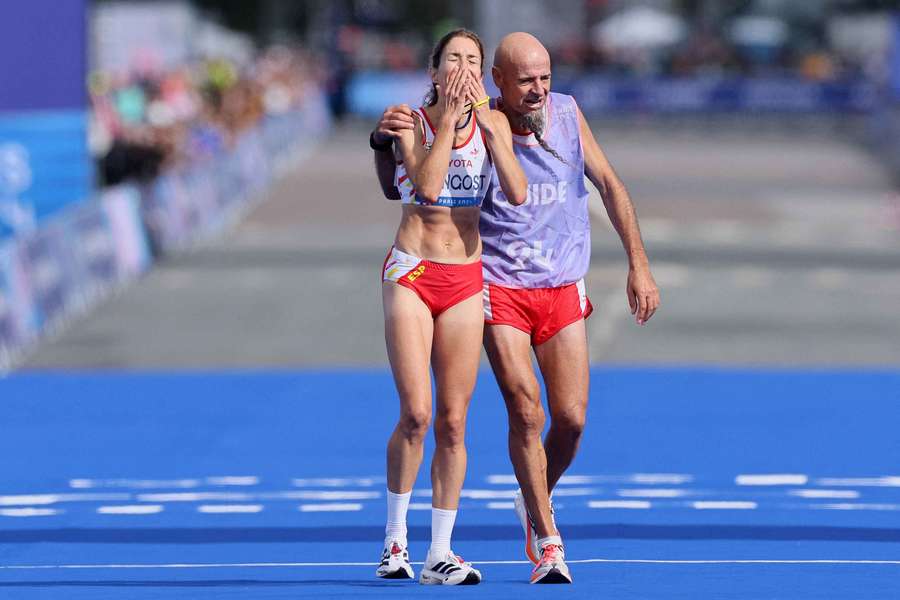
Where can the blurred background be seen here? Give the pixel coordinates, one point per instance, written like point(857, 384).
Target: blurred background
point(187, 184)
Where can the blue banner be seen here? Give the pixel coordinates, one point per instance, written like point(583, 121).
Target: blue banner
point(43, 55)
point(369, 93)
point(44, 162)
point(895, 59)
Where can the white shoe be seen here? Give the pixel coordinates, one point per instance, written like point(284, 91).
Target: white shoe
point(449, 570)
point(531, 548)
point(552, 566)
point(395, 562)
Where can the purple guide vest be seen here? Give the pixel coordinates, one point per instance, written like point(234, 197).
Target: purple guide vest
point(545, 242)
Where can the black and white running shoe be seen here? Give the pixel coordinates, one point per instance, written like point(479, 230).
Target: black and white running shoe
point(395, 562)
point(449, 570)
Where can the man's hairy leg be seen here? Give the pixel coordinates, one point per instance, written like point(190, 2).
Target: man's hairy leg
point(563, 361)
point(509, 351)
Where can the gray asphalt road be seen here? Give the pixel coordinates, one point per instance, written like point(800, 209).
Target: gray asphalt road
point(772, 246)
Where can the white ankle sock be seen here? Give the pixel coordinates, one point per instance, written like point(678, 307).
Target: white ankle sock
point(397, 505)
point(441, 529)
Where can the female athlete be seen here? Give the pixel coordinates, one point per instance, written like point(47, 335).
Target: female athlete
point(432, 293)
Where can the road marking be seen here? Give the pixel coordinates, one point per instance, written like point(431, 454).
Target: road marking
point(479, 562)
point(716, 505)
point(28, 512)
point(780, 479)
point(849, 494)
point(136, 509)
point(229, 508)
point(628, 504)
point(888, 481)
point(42, 499)
point(638, 478)
point(856, 506)
point(331, 507)
point(193, 496)
point(652, 493)
point(233, 480)
point(337, 482)
point(134, 483)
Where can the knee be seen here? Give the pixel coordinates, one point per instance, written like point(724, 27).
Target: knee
point(569, 423)
point(414, 424)
point(526, 414)
point(450, 429)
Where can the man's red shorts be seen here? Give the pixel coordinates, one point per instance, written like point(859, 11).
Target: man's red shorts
point(439, 285)
point(539, 312)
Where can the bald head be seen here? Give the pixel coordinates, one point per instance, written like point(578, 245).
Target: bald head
point(519, 49)
point(522, 73)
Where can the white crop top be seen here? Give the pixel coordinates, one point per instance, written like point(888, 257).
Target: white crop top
point(468, 177)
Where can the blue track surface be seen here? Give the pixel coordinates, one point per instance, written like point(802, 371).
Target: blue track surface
point(301, 454)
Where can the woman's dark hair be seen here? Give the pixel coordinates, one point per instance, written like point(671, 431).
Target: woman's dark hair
point(438, 51)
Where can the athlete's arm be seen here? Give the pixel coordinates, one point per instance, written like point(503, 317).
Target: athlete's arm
point(498, 138)
point(430, 168)
point(643, 295)
point(393, 120)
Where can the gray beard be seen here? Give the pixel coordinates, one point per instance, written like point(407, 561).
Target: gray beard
point(533, 122)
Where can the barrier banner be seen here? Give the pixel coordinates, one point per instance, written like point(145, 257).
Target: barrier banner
point(370, 92)
point(121, 206)
point(183, 204)
point(49, 268)
point(17, 322)
point(44, 161)
point(895, 59)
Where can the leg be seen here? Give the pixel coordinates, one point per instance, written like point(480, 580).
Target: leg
point(509, 351)
point(563, 360)
point(455, 357)
point(408, 330)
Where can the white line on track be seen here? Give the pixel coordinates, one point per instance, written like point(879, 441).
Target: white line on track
point(135, 509)
point(229, 508)
point(29, 512)
point(716, 505)
point(888, 481)
point(779, 479)
point(479, 562)
point(629, 504)
point(851, 494)
point(331, 507)
point(239, 480)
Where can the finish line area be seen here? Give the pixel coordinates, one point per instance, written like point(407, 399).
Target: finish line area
point(690, 483)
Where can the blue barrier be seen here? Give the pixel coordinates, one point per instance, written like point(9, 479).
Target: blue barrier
point(187, 203)
point(63, 268)
point(370, 92)
point(80, 255)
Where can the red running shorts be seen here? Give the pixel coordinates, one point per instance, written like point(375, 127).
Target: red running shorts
point(539, 312)
point(439, 285)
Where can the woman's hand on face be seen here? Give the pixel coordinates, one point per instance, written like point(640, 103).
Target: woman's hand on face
point(454, 97)
point(475, 93)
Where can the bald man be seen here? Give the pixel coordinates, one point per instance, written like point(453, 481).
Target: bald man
point(535, 257)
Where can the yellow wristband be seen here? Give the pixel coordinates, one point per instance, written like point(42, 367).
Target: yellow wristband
point(482, 102)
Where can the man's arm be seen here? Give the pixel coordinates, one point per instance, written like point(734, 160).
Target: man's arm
point(643, 295)
point(393, 121)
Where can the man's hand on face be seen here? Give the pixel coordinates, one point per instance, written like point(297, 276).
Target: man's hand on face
point(394, 119)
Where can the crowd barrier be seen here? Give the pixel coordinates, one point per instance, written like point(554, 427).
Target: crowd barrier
point(597, 95)
point(82, 255)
